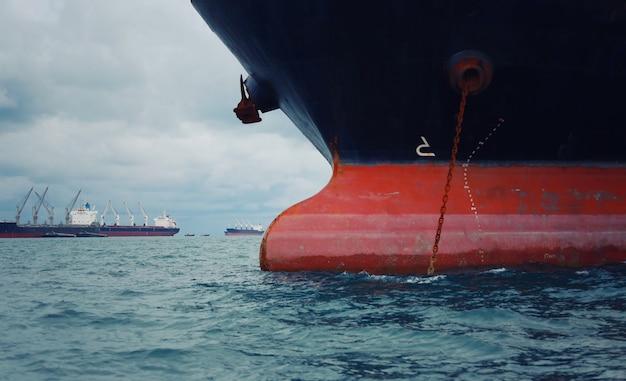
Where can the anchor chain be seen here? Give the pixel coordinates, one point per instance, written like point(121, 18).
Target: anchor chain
point(455, 147)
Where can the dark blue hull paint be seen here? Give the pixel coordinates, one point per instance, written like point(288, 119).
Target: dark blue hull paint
point(369, 80)
point(234, 232)
point(13, 230)
point(137, 231)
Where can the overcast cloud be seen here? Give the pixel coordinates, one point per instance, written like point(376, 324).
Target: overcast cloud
point(131, 101)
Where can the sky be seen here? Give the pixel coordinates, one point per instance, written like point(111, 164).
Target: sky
point(132, 101)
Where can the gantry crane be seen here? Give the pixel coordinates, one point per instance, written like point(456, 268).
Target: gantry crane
point(130, 215)
point(38, 206)
point(69, 208)
point(20, 206)
point(117, 216)
point(145, 216)
point(48, 207)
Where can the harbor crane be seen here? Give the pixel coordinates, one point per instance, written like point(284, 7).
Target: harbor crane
point(48, 207)
point(145, 216)
point(38, 206)
point(130, 215)
point(20, 206)
point(117, 216)
point(69, 208)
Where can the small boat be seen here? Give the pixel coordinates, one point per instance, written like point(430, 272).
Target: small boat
point(59, 235)
point(189, 235)
point(85, 234)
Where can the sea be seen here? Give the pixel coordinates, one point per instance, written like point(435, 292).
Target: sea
point(199, 308)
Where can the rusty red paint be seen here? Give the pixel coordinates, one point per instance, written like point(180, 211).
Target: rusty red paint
point(382, 219)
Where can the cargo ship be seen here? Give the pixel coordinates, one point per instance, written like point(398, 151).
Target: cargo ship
point(163, 225)
point(81, 222)
point(242, 229)
point(462, 135)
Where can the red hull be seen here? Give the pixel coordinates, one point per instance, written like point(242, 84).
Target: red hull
point(383, 219)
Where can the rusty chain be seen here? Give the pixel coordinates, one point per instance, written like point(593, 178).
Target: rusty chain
point(455, 147)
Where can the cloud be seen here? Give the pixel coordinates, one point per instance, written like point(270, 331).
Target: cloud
point(5, 100)
point(132, 101)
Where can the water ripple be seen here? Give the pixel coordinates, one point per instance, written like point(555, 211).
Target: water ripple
point(163, 309)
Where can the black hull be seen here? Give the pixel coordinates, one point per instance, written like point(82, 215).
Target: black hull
point(13, 230)
point(138, 231)
point(368, 82)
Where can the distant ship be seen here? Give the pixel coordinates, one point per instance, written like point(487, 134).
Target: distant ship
point(163, 225)
point(81, 222)
point(244, 229)
point(462, 135)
